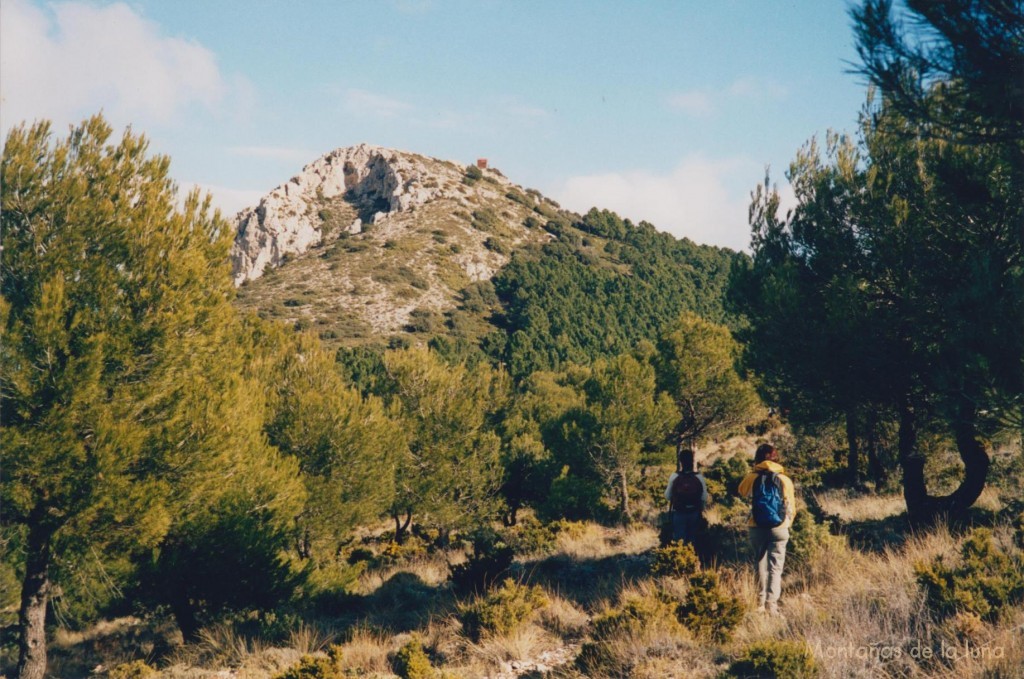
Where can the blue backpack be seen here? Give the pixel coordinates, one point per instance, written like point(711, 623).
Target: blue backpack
point(769, 504)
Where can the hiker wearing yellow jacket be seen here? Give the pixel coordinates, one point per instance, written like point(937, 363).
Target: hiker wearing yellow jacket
point(772, 511)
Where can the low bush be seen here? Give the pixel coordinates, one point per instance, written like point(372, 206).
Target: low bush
point(473, 173)
point(530, 536)
point(571, 497)
point(136, 669)
point(807, 537)
point(485, 220)
point(496, 245)
point(489, 562)
point(313, 667)
point(675, 560)
point(394, 553)
point(517, 197)
point(708, 611)
point(502, 611)
point(986, 581)
point(775, 659)
point(622, 637)
point(723, 478)
point(411, 661)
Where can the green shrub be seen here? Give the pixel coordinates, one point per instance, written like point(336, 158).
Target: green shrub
point(496, 245)
point(675, 560)
point(986, 580)
point(136, 669)
point(424, 320)
point(411, 661)
point(485, 220)
point(313, 667)
point(571, 497)
point(489, 562)
point(530, 536)
point(807, 537)
point(776, 660)
point(473, 173)
point(393, 553)
point(623, 636)
point(502, 611)
point(708, 611)
point(723, 478)
point(517, 197)
point(1018, 530)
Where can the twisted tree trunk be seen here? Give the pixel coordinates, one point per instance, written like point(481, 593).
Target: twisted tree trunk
point(35, 594)
point(925, 508)
point(853, 451)
point(627, 515)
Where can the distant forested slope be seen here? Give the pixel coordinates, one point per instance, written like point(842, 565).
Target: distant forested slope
point(600, 287)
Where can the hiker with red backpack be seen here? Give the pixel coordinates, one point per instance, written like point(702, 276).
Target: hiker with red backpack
point(687, 494)
point(773, 505)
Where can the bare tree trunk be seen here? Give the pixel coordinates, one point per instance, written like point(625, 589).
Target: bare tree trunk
point(922, 507)
point(401, 527)
point(915, 494)
point(627, 515)
point(35, 593)
point(853, 454)
point(875, 467)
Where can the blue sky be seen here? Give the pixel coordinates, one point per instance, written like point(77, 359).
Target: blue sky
point(665, 111)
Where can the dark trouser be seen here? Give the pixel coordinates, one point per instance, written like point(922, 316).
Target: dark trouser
point(769, 546)
point(686, 525)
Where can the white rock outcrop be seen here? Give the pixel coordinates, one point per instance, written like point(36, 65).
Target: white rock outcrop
point(379, 181)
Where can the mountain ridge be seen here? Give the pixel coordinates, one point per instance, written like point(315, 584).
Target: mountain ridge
point(369, 245)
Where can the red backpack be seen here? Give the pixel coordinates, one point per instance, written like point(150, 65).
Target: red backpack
point(687, 492)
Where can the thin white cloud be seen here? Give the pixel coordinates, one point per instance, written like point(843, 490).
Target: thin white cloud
point(750, 87)
point(513, 107)
point(693, 200)
point(364, 102)
point(230, 201)
point(282, 153)
point(74, 58)
point(702, 103)
point(695, 103)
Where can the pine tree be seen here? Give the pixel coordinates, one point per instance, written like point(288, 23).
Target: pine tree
point(697, 364)
point(623, 414)
point(109, 295)
point(450, 471)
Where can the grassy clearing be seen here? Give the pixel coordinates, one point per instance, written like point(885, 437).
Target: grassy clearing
point(593, 601)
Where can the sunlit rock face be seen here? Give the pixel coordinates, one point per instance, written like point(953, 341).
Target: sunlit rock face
point(377, 182)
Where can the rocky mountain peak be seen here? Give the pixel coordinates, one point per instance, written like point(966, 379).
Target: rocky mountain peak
point(375, 182)
point(372, 242)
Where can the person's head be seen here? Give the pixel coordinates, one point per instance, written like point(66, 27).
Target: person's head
point(684, 458)
point(766, 451)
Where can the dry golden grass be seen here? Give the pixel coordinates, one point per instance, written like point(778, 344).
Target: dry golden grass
point(524, 643)
point(366, 653)
point(596, 542)
point(853, 508)
point(310, 638)
point(563, 618)
point(859, 610)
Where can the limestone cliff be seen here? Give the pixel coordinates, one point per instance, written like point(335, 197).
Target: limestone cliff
point(288, 220)
point(368, 242)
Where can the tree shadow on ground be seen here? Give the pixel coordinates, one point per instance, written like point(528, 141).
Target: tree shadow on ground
point(876, 536)
point(404, 603)
point(586, 582)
